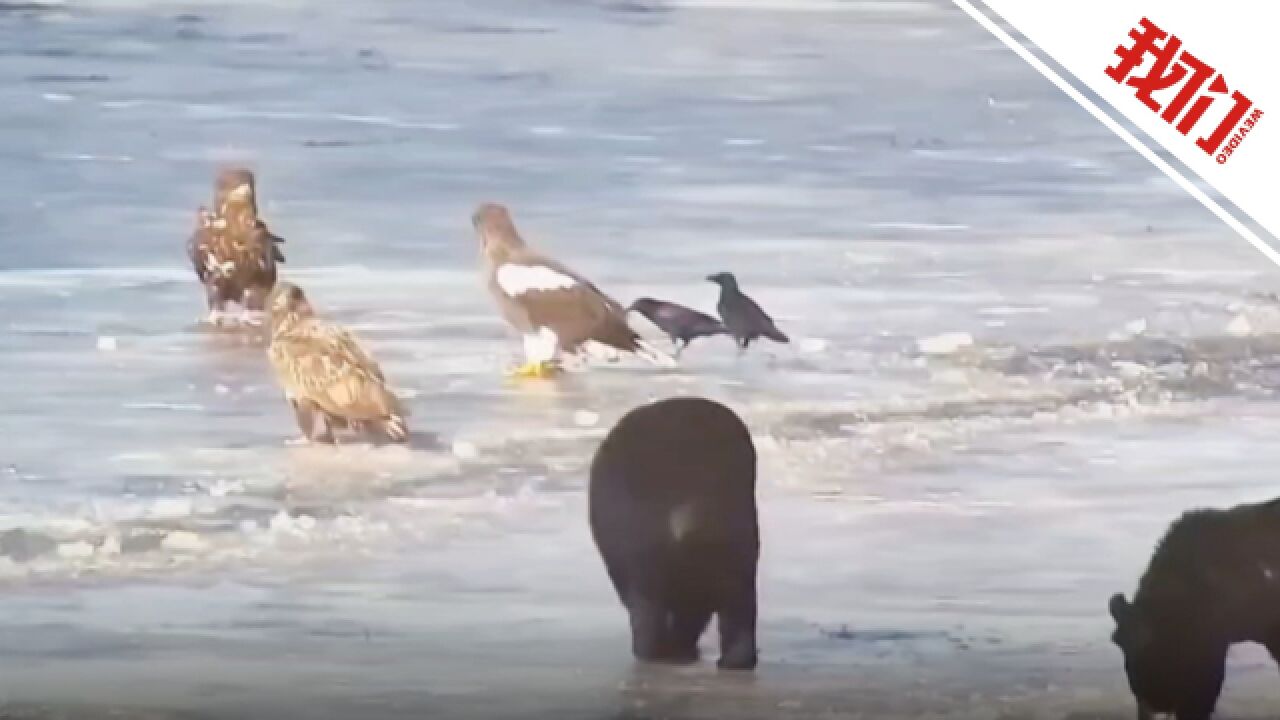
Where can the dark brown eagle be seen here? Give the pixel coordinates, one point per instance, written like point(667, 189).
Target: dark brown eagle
point(328, 378)
point(556, 310)
point(232, 251)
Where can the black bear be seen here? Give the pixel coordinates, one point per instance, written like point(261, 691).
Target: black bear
point(672, 508)
point(1213, 581)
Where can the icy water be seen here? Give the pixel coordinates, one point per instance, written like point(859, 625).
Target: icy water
point(942, 521)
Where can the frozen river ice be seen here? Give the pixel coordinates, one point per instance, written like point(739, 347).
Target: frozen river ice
point(941, 529)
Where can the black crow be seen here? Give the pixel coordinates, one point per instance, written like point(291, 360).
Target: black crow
point(683, 325)
point(741, 315)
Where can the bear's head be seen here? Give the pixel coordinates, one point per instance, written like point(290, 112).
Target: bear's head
point(1160, 665)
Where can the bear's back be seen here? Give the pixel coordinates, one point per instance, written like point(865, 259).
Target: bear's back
point(1223, 560)
point(676, 449)
point(678, 473)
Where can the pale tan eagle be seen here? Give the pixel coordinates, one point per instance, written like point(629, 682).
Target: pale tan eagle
point(328, 378)
point(232, 251)
point(556, 310)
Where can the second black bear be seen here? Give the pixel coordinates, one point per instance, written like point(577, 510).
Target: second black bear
point(673, 512)
point(1213, 581)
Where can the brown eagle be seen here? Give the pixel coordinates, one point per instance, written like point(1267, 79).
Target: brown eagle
point(556, 310)
point(330, 380)
point(232, 251)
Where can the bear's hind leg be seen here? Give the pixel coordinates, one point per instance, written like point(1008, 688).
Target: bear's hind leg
point(687, 626)
point(650, 626)
point(737, 622)
point(648, 602)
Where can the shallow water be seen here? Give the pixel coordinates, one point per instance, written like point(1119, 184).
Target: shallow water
point(942, 525)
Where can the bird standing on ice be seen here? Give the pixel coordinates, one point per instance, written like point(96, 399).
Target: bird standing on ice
point(555, 310)
point(330, 380)
point(744, 318)
point(683, 325)
point(232, 251)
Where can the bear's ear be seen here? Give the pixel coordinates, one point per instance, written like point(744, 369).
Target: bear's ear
point(1121, 612)
point(1120, 609)
point(1132, 632)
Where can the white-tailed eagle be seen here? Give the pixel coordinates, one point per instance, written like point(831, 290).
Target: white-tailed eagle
point(328, 378)
point(232, 251)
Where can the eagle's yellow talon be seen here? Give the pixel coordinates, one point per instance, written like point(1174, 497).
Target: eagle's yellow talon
point(535, 370)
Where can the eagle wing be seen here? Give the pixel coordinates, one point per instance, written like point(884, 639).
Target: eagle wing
point(545, 293)
point(246, 257)
point(276, 241)
point(199, 246)
point(325, 364)
point(253, 255)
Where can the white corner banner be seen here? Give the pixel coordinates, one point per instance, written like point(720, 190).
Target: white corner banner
point(1200, 79)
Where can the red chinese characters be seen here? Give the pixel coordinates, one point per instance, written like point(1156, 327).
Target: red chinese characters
point(1174, 67)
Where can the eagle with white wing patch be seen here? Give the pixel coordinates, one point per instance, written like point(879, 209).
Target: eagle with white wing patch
point(328, 378)
point(556, 310)
point(232, 252)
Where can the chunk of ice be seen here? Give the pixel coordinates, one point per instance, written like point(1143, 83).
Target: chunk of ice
point(77, 550)
point(464, 450)
point(813, 345)
point(182, 541)
point(110, 546)
point(1239, 327)
point(944, 344)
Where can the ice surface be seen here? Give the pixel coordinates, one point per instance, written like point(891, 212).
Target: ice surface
point(940, 531)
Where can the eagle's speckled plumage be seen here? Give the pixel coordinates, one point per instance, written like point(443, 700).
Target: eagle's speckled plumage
point(330, 380)
point(232, 251)
point(555, 309)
